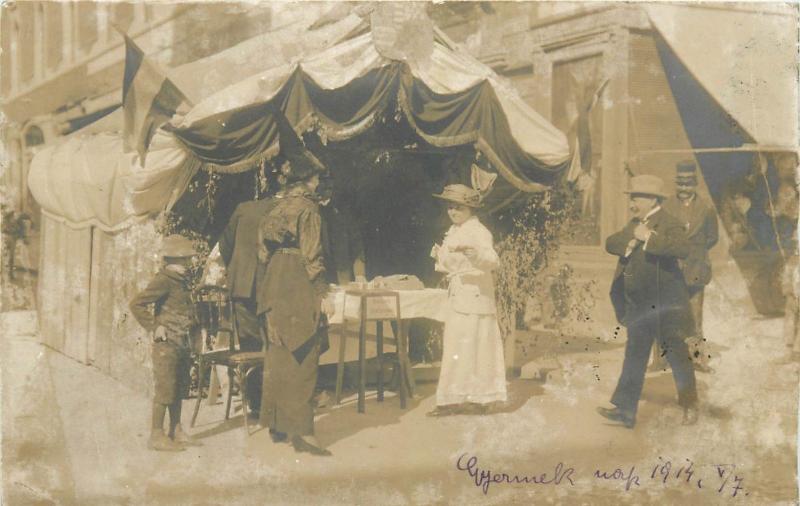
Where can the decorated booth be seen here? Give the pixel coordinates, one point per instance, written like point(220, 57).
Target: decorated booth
point(394, 117)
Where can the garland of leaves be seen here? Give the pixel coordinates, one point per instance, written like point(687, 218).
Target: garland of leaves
point(528, 249)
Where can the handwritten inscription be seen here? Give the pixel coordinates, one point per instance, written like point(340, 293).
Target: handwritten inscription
point(721, 479)
point(485, 477)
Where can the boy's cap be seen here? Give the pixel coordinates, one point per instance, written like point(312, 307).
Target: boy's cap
point(177, 246)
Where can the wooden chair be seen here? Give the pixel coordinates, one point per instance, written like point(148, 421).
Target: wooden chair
point(216, 316)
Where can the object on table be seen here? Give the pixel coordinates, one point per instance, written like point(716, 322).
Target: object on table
point(399, 282)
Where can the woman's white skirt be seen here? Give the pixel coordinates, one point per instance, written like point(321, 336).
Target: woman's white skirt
point(473, 368)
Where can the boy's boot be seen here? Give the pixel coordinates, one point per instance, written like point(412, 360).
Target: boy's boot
point(160, 442)
point(181, 437)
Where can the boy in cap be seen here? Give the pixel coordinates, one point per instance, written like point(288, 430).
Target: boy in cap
point(171, 324)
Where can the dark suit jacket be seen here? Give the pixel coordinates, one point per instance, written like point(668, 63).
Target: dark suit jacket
point(648, 286)
point(342, 243)
point(700, 221)
point(238, 247)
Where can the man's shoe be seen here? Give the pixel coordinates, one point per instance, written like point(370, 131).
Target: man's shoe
point(161, 443)
point(473, 409)
point(616, 415)
point(278, 437)
point(440, 411)
point(183, 438)
point(690, 416)
point(302, 446)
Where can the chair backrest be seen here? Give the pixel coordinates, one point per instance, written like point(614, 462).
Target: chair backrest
point(215, 314)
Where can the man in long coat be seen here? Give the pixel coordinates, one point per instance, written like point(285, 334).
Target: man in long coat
point(650, 298)
point(238, 247)
point(700, 220)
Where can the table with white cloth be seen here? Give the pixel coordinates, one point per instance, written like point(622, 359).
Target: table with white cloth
point(379, 305)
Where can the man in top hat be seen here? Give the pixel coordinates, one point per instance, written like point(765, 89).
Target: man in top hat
point(700, 221)
point(650, 298)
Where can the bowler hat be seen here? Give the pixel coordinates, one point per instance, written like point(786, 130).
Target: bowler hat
point(686, 172)
point(647, 185)
point(460, 194)
point(177, 246)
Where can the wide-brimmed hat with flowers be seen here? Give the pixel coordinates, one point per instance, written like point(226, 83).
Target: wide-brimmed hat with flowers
point(460, 194)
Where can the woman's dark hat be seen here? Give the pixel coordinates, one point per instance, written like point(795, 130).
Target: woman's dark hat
point(460, 194)
point(301, 164)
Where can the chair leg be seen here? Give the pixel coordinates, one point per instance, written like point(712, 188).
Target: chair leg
point(404, 372)
point(379, 339)
point(242, 378)
point(213, 387)
point(200, 374)
point(340, 364)
point(245, 399)
point(230, 393)
point(362, 358)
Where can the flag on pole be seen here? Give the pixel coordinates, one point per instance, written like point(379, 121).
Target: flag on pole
point(149, 99)
point(582, 139)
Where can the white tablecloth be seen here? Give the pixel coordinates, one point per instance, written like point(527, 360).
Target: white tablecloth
point(428, 303)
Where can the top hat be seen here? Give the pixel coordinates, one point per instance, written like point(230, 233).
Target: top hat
point(686, 172)
point(647, 185)
point(301, 163)
point(177, 246)
point(460, 194)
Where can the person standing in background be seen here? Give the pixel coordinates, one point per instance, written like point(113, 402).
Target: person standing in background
point(238, 247)
point(700, 220)
point(342, 242)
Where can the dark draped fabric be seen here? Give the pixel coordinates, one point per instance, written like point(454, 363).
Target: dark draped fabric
point(239, 139)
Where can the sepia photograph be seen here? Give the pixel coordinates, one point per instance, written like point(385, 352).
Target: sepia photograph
point(273, 252)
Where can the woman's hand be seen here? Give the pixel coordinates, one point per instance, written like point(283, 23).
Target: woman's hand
point(468, 251)
point(328, 307)
point(160, 334)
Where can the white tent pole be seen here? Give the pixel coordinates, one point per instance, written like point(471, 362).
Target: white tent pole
point(742, 149)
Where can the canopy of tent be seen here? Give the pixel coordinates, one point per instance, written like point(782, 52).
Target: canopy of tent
point(88, 180)
point(746, 58)
point(449, 99)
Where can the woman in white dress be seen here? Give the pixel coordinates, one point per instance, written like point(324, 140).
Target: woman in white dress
point(473, 370)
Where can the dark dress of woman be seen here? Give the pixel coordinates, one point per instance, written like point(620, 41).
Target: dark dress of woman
point(289, 301)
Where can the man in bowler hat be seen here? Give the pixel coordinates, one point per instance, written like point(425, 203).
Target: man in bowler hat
point(700, 220)
point(650, 298)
